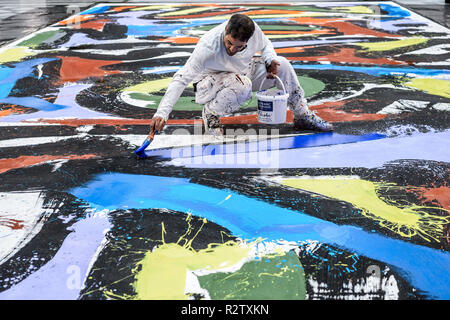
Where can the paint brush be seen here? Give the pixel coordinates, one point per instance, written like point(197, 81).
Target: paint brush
point(140, 151)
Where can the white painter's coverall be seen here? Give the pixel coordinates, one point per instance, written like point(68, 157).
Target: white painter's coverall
point(225, 82)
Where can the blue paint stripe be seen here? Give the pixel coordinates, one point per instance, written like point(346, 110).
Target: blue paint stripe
point(95, 10)
point(9, 76)
point(296, 142)
point(427, 269)
point(394, 11)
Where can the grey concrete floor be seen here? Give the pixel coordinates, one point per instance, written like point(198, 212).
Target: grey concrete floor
point(20, 18)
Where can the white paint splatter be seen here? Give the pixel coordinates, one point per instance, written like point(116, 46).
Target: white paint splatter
point(26, 207)
point(401, 106)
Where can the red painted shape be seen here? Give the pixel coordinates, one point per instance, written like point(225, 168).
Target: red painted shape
point(26, 161)
point(433, 194)
point(13, 109)
point(94, 24)
point(122, 8)
point(332, 112)
point(180, 40)
point(75, 68)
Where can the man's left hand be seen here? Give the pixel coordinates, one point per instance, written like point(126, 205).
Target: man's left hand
point(272, 69)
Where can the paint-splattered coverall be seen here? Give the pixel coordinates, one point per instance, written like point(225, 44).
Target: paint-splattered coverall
point(225, 82)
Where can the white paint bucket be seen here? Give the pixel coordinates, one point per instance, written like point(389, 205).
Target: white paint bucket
point(272, 104)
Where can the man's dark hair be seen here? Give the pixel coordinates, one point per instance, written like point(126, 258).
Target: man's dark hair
point(240, 27)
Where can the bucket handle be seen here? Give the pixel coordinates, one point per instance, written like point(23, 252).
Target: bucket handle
point(279, 80)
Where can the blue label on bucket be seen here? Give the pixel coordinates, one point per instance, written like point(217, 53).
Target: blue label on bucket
point(265, 105)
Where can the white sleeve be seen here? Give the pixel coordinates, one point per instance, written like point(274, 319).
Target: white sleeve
point(267, 51)
point(184, 76)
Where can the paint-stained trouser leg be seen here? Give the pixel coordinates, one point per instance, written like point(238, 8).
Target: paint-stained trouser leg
point(223, 93)
point(296, 101)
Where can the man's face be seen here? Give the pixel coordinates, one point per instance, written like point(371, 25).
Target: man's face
point(233, 45)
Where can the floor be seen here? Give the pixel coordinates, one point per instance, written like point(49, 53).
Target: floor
point(266, 213)
point(21, 18)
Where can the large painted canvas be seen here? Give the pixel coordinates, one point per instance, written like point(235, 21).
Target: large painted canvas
point(360, 213)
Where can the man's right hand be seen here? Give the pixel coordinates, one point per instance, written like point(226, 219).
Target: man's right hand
point(156, 125)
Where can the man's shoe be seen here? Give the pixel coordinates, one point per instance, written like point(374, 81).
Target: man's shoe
point(310, 121)
point(211, 123)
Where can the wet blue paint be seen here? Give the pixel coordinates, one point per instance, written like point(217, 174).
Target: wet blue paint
point(300, 141)
point(6, 84)
point(376, 71)
point(427, 269)
point(161, 28)
point(166, 29)
point(9, 76)
point(393, 11)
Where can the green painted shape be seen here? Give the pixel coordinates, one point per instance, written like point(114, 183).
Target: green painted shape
point(38, 39)
point(141, 96)
point(274, 277)
point(311, 86)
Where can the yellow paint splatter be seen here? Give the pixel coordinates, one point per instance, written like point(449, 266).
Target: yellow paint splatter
point(432, 86)
point(154, 7)
point(407, 221)
point(149, 86)
point(162, 272)
point(356, 9)
point(15, 54)
point(391, 45)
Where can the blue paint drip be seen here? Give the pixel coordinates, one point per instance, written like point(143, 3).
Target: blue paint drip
point(427, 269)
point(301, 141)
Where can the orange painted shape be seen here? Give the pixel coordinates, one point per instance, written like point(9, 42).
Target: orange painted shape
point(94, 24)
point(26, 161)
point(13, 109)
point(332, 112)
point(122, 8)
point(181, 40)
point(292, 50)
point(76, 20)
point(441, 195)
point(75, 68)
